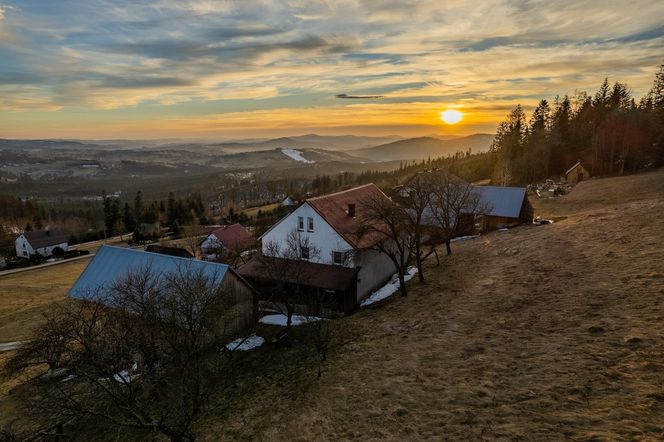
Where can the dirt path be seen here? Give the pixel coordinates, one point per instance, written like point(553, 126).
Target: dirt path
point(541, 333)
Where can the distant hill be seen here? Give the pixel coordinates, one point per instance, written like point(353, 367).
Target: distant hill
point(310, 141)
point(424, 147)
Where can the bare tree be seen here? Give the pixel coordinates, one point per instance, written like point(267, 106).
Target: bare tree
point(415, 197)
point(455, 204)
point(389, 227)
point(143, 354)
point(287, 266)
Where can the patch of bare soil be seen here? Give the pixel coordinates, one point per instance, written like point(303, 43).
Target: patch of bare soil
point(552, 332)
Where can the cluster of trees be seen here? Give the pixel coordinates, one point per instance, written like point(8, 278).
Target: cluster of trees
point(431, 209)
point(174, 213)
point(609, 131)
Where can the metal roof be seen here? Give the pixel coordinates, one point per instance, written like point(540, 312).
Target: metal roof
point(503, 201)
point(111, 264)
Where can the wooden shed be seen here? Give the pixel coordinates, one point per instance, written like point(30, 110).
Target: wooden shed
point(576, 173)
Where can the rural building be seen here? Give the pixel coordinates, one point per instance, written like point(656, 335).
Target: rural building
point(345, 266)
point(40, 242)
point(576, 173)
point(231, 239)
point(112, 264)
point(170, 251)
point(289, 202)
point(506, 206)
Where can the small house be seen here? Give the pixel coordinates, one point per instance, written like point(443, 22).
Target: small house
point(345, 267)
point(111, 264)
point(505, 206)
point(40, 242)
point(576, 173)
point(289, 202)
point(231, 239)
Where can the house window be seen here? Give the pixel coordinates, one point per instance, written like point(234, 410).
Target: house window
point(304, 252)
point(338, 257)
point(300, 223)
point(310, 224)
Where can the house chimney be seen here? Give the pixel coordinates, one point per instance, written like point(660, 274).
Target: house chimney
point(351, 210)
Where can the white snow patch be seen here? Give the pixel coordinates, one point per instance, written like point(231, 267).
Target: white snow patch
point(502, 230)
point(390, 288)
point(463, 238)
point(296, 155)
point(280, 319)
point(244, 344)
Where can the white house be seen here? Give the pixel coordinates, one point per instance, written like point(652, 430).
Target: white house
point(331, 224)
point(40, 242)
point(233, 238)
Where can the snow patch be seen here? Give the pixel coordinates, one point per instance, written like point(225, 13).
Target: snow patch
point(390, 288)
point(245, 344)
point(280, 319)
point(463, 238)
point(296, 155)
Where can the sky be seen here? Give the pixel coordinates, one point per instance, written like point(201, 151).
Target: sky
point(99, 69)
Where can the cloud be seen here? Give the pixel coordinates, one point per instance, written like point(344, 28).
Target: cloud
point(192, 57)
point(358, 97)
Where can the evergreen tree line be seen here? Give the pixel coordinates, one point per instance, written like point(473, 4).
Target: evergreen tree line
point(609, 132)
point(174, 213)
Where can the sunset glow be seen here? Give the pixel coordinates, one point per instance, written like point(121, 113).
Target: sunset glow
point(450, 116)
point(197, 68)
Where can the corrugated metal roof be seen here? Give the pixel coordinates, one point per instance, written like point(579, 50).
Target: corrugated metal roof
point(503, 201)
point(111, 264)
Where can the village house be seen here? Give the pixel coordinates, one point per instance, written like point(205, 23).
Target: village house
point(111, 264)
point(232, 239)
point(289, 202)
point(505, 207)
point(345, 265)
point(576, 173)
point(40, 242)
point(167, 250)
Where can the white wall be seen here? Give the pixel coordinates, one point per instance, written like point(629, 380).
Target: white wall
point(324, 237)
point(24, 249)
point(377, 268)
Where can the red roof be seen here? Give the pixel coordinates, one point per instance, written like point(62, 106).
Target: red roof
point(234, 237)
point(334, 209)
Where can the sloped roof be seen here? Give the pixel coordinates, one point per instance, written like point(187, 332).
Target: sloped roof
point(325, 276)
point(503, 201)
point(235, 237)
point(171, 251)
point(111, 264)
point(333, 208)
point(45, 238)
point(578, 163)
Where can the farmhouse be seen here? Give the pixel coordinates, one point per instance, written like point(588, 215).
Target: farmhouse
point(506, 206)
point(112, 264)
point(40, 242)
point(576, 173)
point(344, 266)
point(232, 239)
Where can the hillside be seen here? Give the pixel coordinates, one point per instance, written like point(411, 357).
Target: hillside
point(540, 333)
point(424, 147)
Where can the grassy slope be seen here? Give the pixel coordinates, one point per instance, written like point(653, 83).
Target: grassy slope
point(540, 333)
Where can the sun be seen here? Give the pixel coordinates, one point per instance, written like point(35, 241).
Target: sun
point(450, 116)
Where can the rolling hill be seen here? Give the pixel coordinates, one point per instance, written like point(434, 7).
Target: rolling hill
point(424, 147)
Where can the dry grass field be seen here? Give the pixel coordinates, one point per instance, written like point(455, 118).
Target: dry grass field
point(25, 296)
point(539, 333)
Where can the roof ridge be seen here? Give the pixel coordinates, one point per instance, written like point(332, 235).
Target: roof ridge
point(161, 255)
point(339, 192)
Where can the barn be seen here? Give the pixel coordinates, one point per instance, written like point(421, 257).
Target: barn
point(112, 264)
point(40, 242)
point(506, 206)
